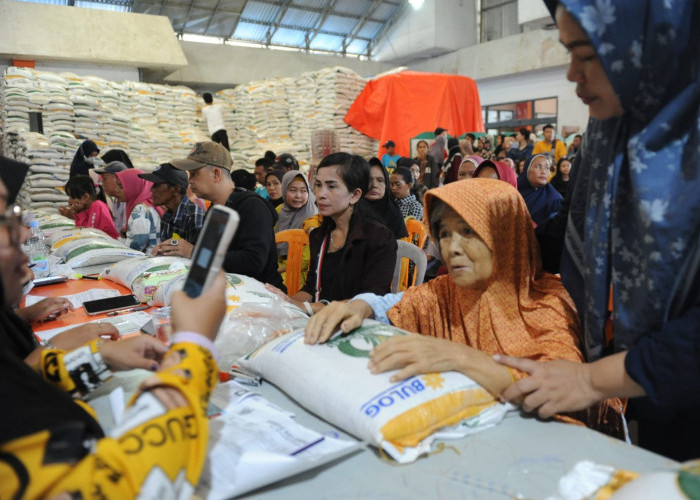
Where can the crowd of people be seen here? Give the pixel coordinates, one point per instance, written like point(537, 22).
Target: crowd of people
point(502, 222)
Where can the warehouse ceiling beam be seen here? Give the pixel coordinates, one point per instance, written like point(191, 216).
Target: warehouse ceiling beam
point(316, 10)
point(326, 12)
point(213, 15)
point(363, 20)
point(387, 26)
point(300, 28)
point(278, 18)
point(187, 18)
point(238, 19)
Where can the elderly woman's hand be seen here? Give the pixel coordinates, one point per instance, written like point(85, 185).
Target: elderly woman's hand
point(416, 354)
point(345, 316)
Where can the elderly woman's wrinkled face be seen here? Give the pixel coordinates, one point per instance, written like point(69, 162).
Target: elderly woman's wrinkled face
point(377, 184)
point(586, 70)
point(468, 259)
point(538, 172)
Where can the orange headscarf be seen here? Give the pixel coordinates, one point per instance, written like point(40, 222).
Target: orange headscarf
point(521, 311)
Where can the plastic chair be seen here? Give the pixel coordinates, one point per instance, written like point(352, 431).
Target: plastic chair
point(297, 239)
point(408, 251)
point(417, 232)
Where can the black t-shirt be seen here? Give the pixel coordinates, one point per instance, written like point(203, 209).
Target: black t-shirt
point(330, 284)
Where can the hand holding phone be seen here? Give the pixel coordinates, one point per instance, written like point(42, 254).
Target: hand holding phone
point(219, 227)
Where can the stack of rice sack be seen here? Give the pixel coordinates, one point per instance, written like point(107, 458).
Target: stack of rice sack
point(281, 113)
point(401, 418)
point(336, 90)
point(14, 105)
point(58, 114)
point(303, 112)
point(244, 143)
point(48, 173)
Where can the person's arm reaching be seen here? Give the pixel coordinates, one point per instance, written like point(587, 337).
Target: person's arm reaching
point(160, 446)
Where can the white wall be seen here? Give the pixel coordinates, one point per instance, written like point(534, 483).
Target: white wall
point(228, 65)
point(438, 27)
point(550, 82)
point(58, 33)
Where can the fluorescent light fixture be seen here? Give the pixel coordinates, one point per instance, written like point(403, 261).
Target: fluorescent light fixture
point(191, 37)
point(416, 4)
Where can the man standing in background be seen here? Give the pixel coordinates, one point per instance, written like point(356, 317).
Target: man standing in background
point(215, 120)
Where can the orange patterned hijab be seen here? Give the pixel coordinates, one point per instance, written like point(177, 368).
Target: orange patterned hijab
point(522, 311)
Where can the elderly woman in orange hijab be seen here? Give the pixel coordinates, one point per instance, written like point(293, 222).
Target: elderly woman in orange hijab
point(496, 299)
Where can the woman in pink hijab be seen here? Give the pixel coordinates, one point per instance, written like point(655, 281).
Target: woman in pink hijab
point(497, 170)
point(142, 219)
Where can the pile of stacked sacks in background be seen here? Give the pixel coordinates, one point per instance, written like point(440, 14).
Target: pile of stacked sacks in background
point(280, 114)
point(152, 123)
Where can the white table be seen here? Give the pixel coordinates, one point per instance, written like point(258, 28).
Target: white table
point(520, 458)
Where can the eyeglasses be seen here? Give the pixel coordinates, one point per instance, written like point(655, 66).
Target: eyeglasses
point(12, 220)
point(543, 167)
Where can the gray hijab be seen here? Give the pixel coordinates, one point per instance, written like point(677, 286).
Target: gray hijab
point(293, 218)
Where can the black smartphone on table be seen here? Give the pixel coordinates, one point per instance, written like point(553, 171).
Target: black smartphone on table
point(119, 303)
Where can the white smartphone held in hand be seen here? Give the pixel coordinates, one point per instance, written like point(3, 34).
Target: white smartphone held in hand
point(208, 256)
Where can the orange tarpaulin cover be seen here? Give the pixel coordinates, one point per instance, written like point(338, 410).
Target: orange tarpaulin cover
point(402, 105)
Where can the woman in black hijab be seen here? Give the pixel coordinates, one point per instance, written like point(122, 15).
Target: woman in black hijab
point(84, 159)
point(379, 202)
point(117, 155)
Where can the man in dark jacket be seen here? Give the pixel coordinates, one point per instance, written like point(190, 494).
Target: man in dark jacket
point(253, 251)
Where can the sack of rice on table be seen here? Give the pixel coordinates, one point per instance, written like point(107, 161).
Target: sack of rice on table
point(127, 271)
point(93, 251)
point(62, 236)
point(333, 381)
point(53, 222)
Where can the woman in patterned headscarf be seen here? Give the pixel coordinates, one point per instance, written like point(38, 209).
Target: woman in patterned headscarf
point(495, 300)
point(634, 220)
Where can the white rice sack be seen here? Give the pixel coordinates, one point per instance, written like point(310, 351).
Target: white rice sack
point(126, 271)
point(54, 222)
point(61, 236)
point(332, 380)
point(93, 251)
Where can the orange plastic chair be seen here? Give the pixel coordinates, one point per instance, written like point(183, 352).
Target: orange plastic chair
point(417, 232)
point(297, 239)
point(417, 235)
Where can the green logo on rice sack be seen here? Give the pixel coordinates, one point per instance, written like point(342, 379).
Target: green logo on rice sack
point(360, 342)
point(94, 246)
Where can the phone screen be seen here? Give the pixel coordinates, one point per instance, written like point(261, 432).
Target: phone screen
point(110, 304)
point(201, 262)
